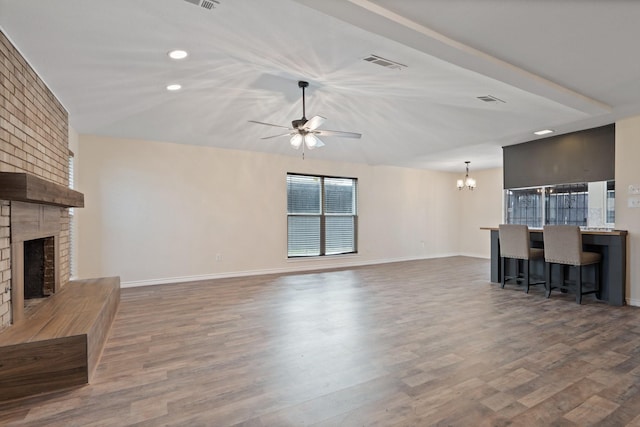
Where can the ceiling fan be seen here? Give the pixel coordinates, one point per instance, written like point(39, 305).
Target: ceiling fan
point(306, 131)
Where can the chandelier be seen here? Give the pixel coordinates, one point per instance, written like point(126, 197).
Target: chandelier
point(468, 182)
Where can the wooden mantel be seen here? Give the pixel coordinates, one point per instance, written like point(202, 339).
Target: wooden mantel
point(25, 187)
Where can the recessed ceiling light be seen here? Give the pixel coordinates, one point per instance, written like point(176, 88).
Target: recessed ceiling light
point(543, 132)
point(174, 87)
point(178, 54)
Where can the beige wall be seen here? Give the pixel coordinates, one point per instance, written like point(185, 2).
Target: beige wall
point(628, 173)
point(481, 207)
point(162, 212)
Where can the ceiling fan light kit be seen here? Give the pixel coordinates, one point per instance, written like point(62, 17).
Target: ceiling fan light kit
point(296, 141)
point(304, 132)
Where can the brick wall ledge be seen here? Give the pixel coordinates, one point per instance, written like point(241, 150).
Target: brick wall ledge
point(25, 187)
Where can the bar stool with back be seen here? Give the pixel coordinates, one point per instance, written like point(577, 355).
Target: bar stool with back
point(515, 243)
point(563, 245)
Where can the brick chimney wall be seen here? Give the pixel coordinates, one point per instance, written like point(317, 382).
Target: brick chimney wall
point(34, 128)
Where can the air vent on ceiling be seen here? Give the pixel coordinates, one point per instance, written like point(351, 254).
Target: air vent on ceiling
point(387, 63)
point(206, 4)
point(490, 98)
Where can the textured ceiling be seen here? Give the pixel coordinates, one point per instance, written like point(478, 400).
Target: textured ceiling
point(566, 65)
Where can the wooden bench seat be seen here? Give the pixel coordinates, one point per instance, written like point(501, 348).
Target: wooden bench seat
point(60, 343)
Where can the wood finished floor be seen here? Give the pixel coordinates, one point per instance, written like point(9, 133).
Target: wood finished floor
point(407, 344)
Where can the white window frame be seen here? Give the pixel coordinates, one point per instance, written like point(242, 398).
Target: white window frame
point(323, 215)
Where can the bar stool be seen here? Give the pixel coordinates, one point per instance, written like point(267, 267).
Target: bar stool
point(563, 245)
point(515, 243)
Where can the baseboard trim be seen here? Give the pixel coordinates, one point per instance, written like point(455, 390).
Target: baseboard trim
point(470, 255)
point(633, 302)
point(284, 270)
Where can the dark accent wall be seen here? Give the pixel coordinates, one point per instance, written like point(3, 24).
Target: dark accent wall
point(583, 156)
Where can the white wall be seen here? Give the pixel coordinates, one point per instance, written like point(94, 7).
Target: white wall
point(481, 207)
point(628, 173)
point(159, 212)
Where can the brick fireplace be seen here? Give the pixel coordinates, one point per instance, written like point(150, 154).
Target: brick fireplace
point(35, 253)
point(34, 140)
point(36, 207)
point(57, 344)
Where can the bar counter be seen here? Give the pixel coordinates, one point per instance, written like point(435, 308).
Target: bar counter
point(611, 245)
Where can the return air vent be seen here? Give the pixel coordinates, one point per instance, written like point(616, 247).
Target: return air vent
point(206, 4)
point(490, 98)
point(387, 63)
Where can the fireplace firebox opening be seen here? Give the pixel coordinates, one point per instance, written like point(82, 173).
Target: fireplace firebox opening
point(39, 268)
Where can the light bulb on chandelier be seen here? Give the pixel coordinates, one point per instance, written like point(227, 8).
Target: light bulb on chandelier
point(468, 182)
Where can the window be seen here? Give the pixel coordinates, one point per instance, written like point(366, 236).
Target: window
point(611, 202)
point(567, 204)
point(72, 221)
point(584, 204)
point(524, 207)
point(321, 215)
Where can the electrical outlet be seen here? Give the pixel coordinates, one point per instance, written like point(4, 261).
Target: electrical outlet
point(218, 257)
point(634, 189)
point(633, 202)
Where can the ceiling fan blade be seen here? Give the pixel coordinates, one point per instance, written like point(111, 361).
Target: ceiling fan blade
point(277, 136)
point(339, 133)
point(313, 123)
point(268, 124)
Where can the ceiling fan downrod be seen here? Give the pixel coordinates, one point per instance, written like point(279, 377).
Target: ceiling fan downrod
point(302, 84)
